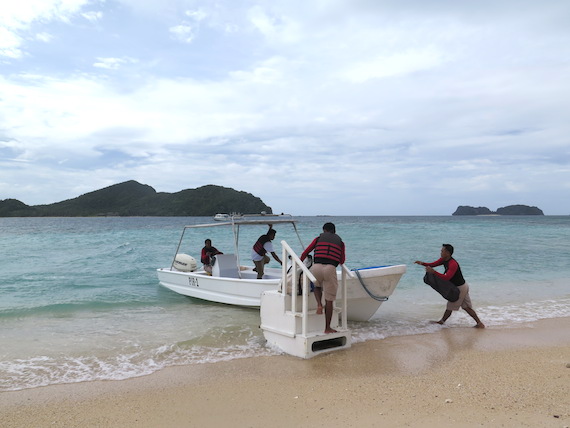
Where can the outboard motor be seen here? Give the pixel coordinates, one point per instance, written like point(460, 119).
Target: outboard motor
point(185, 263)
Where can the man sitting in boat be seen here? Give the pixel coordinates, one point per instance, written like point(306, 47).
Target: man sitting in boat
point(207, 253)
point(260, 249)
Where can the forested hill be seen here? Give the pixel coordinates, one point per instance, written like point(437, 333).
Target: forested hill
point(508, 210)
point(134, 199)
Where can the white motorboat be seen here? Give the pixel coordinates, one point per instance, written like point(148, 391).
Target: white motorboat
point(235, 284)
point(222, 217)
point(228, 217)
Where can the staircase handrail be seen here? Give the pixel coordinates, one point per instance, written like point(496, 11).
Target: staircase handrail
point(296, 263)
point(288, 251)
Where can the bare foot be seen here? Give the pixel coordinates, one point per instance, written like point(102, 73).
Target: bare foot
point(437, 322)
point(319, 310)
point(330, 330)
point(480, 325)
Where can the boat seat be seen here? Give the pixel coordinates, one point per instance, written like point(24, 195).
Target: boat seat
point(226, 266)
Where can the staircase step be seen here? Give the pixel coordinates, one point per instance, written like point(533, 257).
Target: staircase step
point(313, 312)
point(320, 334)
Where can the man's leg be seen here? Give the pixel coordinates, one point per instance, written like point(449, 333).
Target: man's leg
point(473, 314)
point(444, 318)
point(316, 270)
point(328, 316)
point(319, 297)
point(259, 268)
point(330, 286)
point(454, 306)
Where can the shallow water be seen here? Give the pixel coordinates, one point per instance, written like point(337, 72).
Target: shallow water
point(81, 301)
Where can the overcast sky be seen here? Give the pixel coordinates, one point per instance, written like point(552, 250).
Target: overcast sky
point(340, 107)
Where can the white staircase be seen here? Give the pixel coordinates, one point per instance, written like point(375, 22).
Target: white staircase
point(291, 323)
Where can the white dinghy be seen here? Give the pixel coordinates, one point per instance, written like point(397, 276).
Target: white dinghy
point(236, 284)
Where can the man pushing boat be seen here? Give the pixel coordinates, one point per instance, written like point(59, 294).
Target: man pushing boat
point(453, 275)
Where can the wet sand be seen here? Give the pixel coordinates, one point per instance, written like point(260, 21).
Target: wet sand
point(461, 377)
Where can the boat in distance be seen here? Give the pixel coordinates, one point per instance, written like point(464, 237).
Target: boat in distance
point(238, 216)
point(233, 283)
point(227, 217)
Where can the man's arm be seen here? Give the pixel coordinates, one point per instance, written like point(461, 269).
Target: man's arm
point(310, 248)
point(451, 270)
point(438, 262)
point(276, 257)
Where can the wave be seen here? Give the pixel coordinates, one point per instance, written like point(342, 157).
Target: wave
point(43, 370)
point(224, 343)
point(69, 309)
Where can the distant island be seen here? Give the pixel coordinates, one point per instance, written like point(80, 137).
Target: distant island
point(134, 199)
point(508, 210)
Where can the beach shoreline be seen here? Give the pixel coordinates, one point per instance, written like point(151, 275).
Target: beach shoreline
point(456, 376)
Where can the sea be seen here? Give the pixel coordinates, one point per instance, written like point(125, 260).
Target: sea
point(80, 299)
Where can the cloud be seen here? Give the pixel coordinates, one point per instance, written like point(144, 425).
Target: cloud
point(183, 33)
point(44, 37)
point(10, 44)
point(17, 18)
point(197, 15)
point(393, 65)
point(187, 31)
point(113, 63)
point(93, 16)
point(353, 107)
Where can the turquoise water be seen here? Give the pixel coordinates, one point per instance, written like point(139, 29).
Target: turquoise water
point(80, 298)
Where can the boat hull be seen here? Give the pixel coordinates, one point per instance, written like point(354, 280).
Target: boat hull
point(380, 281)
point(231, 291)
point(247, 290)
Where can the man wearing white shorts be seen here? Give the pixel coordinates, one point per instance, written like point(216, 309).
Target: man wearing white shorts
point(453, 273)
point(329, 253)
point(259, 252)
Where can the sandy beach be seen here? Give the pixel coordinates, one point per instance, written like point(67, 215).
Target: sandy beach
point(463, 377)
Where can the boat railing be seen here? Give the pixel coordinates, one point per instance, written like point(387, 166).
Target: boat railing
point(296, 266)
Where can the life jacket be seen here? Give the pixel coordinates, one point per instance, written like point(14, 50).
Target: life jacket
point(258, 247)
point(328, 250)
point(457, 279)
point(207, 254)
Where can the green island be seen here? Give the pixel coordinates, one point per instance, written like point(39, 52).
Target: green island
point(135, 199)
point(508, 210)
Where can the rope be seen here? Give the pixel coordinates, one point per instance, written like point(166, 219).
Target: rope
point(378, 298)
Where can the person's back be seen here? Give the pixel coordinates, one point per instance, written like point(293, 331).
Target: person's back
point(329, 252)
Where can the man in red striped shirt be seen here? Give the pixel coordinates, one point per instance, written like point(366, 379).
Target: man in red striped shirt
point(329, 253)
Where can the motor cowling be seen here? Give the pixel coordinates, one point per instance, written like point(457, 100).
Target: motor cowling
point(185, 263)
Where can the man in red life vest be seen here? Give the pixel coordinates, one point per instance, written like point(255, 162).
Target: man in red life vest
point(329, 253)
point(207, 253)
point(452, 273)
point(260, 249)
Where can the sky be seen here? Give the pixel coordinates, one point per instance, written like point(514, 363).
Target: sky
point(318, 107)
